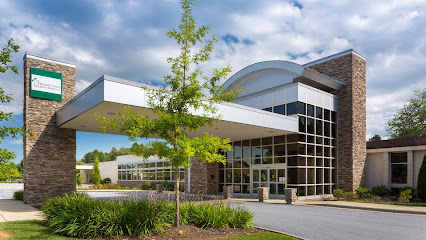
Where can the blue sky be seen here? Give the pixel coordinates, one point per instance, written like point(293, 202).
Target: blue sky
point(127, 39)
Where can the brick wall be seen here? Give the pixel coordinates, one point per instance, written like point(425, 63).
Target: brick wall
point(204, 177)
point(49, 155)
point(351, 118)
point(377, 169)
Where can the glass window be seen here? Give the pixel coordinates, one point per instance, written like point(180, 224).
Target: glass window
point(255, 152)
point(319, 150)
point(327, 175)
point(327, 129)
point(301, 149)
point(319, 127)
point(301, 108)
point(310, 150)
point(292, 175)
point(292, 149)
point(333, 116)
point(292, 108)
point(302, 124)
point(279, 150)
point(255, 175)
point(399, 167)
point(246, 162)
point(310, 109)
point(301, 137)
point(333, 130)
point(246, 143)
point(279, 160)
point(237, 175)
point(311, 139)
point(292, 138)
point(246, 175)
point(255, 142)
point(279, 139)
point(281, 175)
point(310, 126)
point(318, 112)
point(302, 175)
point(292, 161)
point(327, 114)
point(319, 175)
point(267, 141)
point(269, 109)
point(237, 152)
point(280, 109)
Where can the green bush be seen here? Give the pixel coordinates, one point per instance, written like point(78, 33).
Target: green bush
point(338, 193)
point(18, 195)
point(405, 196)
point(363, 192)
point(167, 185)
point(421, 181)
point(78, 215)
point(106, 180)
point(413, 191)
point(147, 186)
point(349, 196)
point(381, 191)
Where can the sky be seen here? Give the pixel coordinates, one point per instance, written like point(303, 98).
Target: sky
point(127, 39)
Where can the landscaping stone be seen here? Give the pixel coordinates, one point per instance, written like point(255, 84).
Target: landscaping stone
point(290, 195)
point(228, 191)
point(159, 188)
point(262, 193)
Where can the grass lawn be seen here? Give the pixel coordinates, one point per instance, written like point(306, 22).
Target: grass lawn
point(263, 235)
point(35, 229)
point(397, 203)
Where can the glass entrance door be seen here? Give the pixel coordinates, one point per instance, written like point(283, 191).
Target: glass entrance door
point(274, 178)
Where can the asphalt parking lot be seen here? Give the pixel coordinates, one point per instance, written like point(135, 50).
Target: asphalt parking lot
point(7, 189)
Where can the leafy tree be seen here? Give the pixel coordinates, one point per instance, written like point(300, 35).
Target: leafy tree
point(104, 156)
point(5, 131)
point(78, 178)
point(186, 88)
point(9, 170)
point(421, 181)
point(410, 121)
point(96, 178)
point(20, 167)
point(375, 138)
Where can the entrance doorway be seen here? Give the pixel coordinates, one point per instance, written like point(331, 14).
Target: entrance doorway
point(273, 177)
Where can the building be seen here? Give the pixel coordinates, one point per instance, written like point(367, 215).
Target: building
point(395, 163)
point(295, 126)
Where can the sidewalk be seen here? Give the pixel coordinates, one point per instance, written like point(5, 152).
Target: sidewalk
point(13, 210)
point(344, 204)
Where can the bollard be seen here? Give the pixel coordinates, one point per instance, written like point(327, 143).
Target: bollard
point(263, 193)
point(228, 191)
point(290, 195)
point(159, 188)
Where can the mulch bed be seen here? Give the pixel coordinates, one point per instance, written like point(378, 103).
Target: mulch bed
point(192, 233)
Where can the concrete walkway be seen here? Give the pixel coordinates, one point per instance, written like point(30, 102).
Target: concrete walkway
point(13, 210)
point(345, 204)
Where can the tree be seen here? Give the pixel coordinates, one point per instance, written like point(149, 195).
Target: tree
point(5, 131)
point(375, 138)
point(96, 178)
point(186, 88)
point(20, 167)
point(9, 170)
point(78, 178)
point(410, 121)
point(421, 181)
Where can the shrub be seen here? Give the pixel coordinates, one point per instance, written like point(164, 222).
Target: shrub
point(381, 191)
point(147, 186)
point(78, 215)
point(349, 196)
point(338, 193)
point(18, 195)
point(421, 181)
point(167, 185)
point(96, 177)
point(106, 180)
point(107, 186)
point(413, 190)
point(78, 178)
point(405, 196)
point(363, 192)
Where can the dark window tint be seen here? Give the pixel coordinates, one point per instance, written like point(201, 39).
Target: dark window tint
point(310, 110)
point(310, 125)
point(302, 124)
point(327, 129)
point(292, 138)
point(255, 142)
point(280, 109)
point(399, 157)
point(318, 112)
point(301, 108)
point(319, 127)
point(279, 139)
point(267, 141)
point(269, 109)
point(292, 149)
point(292, 108)
point(399, 173)
point(327, 114)
point(333, 116)
point(292, 176)
point(279, 150)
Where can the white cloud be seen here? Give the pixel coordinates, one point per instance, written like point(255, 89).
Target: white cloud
point(16, 141)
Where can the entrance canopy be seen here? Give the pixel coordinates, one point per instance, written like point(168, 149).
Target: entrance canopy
point(109, 95)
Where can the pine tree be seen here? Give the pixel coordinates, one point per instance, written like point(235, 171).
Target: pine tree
point(96, 178)
point(421, 181)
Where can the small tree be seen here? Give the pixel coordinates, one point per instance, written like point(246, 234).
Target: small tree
point(78, 178)
point(186, 90)
point(96, 178)
point(421, 181)
point(375, 138)
point(410, 121)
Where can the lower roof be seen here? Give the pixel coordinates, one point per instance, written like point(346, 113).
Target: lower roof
point(400, 142)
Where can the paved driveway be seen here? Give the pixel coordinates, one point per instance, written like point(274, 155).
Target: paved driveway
point(7, 189)
point(333, 223)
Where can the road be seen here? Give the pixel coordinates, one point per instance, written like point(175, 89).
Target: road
point(332, 223)
point(7, 189)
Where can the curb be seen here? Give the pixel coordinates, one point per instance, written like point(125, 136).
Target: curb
point(275, 231)
point(368, 209)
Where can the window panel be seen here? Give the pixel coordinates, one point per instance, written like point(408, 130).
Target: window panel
point(310, 126)
point(280, 109)
point(319, 127)
point(279, 150)
point(310, 110)
point(302, 124)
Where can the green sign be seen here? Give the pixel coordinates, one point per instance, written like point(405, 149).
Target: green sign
point(45, 84)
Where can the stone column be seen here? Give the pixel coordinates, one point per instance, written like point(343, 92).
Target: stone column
point(49, 154)
point(159, 188)
point(228, 191)
point(351, 120)
point(290, 195)
point(262, 193)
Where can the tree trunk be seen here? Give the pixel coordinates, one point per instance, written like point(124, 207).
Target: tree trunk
point(176, 173)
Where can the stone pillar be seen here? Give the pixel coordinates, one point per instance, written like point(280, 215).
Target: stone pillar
point(262, 193)
point(351, 122)
point(290, 195)
point(49, 154)
point(204, 177)
point(159, 188)
point(228, 191)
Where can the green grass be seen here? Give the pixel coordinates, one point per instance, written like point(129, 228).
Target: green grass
point(29, 229)
point(397, 203)
point(262, 235)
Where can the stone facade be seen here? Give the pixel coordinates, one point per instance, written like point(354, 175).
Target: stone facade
point(204, 177)
point(290, 195)
point(49, 155)
point(262, 193)
point(351, 120)
point(228, 191)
